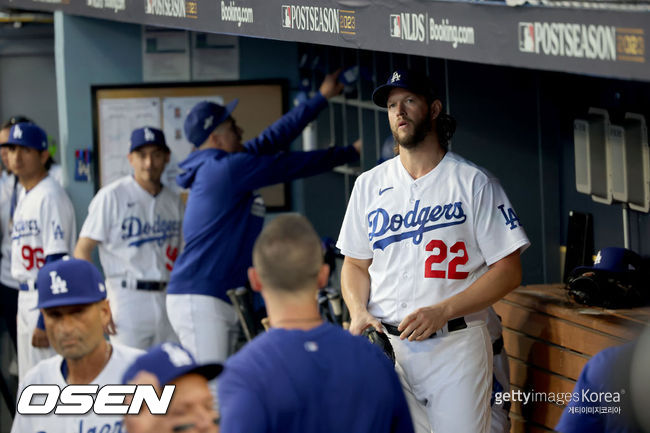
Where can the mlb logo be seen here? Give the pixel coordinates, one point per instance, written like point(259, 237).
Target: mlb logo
point(395, 26)
point(527, 37)
point(286, 16)
point(148, 6)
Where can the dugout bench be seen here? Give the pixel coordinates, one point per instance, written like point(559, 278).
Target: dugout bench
point(549, 339)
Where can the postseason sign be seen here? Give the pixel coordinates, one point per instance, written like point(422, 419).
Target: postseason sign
point(578, 40)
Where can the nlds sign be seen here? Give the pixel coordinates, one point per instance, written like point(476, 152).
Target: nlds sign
point(80, 399)
point(408, 26)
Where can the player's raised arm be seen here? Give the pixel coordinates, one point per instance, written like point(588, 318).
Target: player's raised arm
point(331, 86)
point(84, 248)
point(355, 287)
point(278, 136)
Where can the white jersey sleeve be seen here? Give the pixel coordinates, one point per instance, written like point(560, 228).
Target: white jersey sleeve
point(56, 173)
point(6, 192)
point(353, 238)
point(498, 229)
point(44, 224)
point(101, 211)
point(59, 229)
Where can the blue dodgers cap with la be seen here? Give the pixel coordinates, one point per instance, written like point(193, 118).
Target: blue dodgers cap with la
point(204, 118)
point(147, 136)
point(69, 282)
point(404, 79)
point(27, 135)
point(613, 259)
point(169, 361)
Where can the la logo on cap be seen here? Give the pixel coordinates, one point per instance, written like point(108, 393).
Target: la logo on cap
point(59, 285)
point(208, 122)
point(396, 77)
point(148, 135)
point(18, 133)
point(177, 355)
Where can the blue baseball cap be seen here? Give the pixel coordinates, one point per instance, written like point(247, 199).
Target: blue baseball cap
point(69, 281)
point(404, 79)
point(27, 135)
point(169, 361)
point(147, 136)
point(204, 118)
point(614, 260)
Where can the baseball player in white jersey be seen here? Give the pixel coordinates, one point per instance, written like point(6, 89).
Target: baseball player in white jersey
point(136, 221)
point(430, 241)
point(500, 411)
point(10, 189)
point(9, 186)
point(72, 297)
point(43, 230)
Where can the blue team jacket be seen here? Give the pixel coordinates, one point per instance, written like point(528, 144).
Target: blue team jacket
point(223, 216)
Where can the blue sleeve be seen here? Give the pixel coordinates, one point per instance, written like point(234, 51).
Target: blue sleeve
point(572, 420)
point(280, 134)
point(592, 376)
point(254, 171)
point(240, 408)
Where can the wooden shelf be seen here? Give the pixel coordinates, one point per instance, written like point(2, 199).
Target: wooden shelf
point(549, 339)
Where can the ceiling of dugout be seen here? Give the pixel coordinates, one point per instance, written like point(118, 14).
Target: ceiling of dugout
point(588, 39)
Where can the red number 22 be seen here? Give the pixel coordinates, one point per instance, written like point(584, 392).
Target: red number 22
point(441, 255)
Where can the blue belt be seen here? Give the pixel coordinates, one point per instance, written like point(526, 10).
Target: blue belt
point(26, 287)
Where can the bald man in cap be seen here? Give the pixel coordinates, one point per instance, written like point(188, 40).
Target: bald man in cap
point(72, 298)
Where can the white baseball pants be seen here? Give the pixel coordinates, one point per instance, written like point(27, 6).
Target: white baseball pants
point(140, 317)
point(206, 326)
point(28, 355)
point(447, 380)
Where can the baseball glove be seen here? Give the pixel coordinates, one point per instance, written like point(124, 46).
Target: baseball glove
point(380, 340)
point(608, 290)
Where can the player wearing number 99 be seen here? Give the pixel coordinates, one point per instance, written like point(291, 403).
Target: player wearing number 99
point(430, 241)
point(43, 230)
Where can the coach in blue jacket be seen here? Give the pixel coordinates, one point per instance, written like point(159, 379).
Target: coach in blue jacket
point(224, 215)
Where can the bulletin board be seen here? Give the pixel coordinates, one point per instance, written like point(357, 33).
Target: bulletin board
point(118, 110)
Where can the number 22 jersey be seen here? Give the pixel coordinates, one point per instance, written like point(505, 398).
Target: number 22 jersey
point(429, 238)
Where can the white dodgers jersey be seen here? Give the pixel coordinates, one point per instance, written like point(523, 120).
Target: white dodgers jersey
point(6, 193)
point(43, 224)
point(139, 235)
point(48, 372)
point(429, 238)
